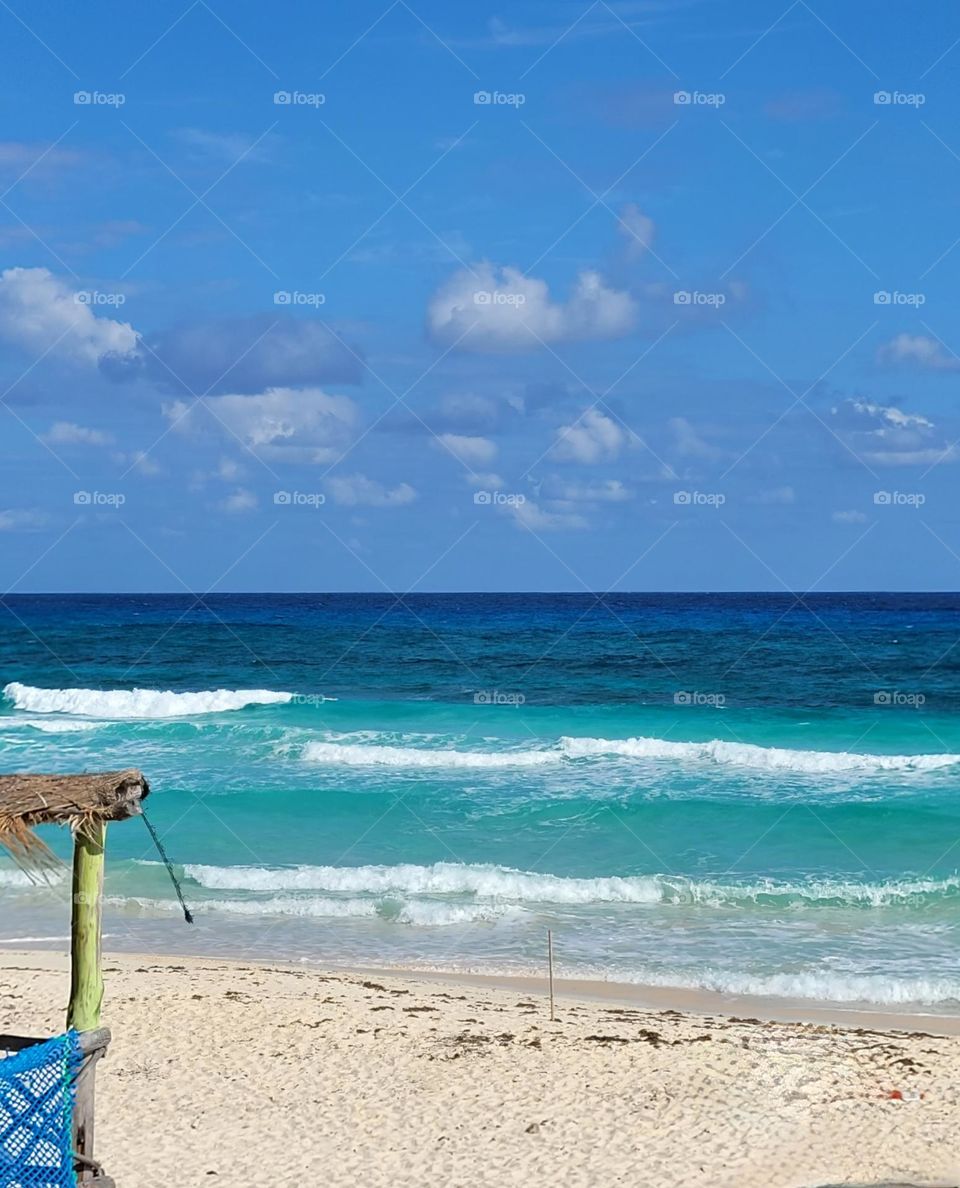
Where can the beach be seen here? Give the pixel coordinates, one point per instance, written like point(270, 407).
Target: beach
point(745, 856)
point(239, 1072)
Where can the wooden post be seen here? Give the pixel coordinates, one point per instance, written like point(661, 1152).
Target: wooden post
point(84, 802)
point(86, 974)
point(550, 968)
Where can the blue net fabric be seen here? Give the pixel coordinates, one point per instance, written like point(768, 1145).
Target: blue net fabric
point(36, 1114)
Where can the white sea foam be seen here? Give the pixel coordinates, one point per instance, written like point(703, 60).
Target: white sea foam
point(20, 878)
point(30, 940)
point(136, 703)
point(285, 905)
point(823, 986)
point(443, 878)
point(355, 755)
point(418, 913)
point(293, 906)
point(46, 725)
point(748, 755)
point(429, 913)
point(716, 751)
point(503, 884)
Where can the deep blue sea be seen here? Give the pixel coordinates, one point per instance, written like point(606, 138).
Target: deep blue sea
point(745, 792)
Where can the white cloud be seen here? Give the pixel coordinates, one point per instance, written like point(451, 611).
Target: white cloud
point(228, 146)
point(605, 491)
point(883, 435)
point(690, 442)
point(849, 517)
point(637, 230)
point(538, 519)
point(489, 480)
point(228, 470)
point(297, 424)
point(356, 490)
point(67, 433)
point(239, 501)
point(499, 310)
point(39, 159)
point(40, 313)
point(468, 412)
point(595, 437)
point(140, 461)
point(468, 449)
point(22, 520)
point(928, 457)
point(893, 416)
point(248, 355)
point(920, 350)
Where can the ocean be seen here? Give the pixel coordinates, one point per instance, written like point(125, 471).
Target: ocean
point(752, 793)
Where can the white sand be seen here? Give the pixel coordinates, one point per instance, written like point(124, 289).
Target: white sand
point(230, 1073)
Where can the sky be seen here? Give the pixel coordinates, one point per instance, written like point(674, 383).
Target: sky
point(651, 295)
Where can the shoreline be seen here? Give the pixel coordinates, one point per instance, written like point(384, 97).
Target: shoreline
point(685, 1000)
point(233, 1071)
point(766, 1008)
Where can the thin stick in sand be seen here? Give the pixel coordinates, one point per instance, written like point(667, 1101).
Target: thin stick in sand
point(550, 969)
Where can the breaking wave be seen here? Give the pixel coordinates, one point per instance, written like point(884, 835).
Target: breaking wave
point(418, 913)
point(819, 985)
point(136, 703)
point(715, 751)
point(503, 884)
point(749, 755)
point(355, 755)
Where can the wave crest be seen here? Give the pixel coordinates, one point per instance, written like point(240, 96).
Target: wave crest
point(750, 755)
point(423, 913)
point(504, 884)
point(356, 755)
point(715, 751)
point(823, 986)
point(136, 703)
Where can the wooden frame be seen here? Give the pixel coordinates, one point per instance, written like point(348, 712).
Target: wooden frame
point(93, 1046)
point(86, 803)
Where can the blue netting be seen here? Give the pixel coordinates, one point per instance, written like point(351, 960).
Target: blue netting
point(36, 1114)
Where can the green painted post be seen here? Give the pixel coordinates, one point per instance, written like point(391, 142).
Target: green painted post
point(86, 973)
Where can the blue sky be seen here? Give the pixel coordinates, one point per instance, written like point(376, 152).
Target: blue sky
point(648, 295)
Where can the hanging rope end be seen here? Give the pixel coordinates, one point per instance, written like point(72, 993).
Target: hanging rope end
point(187, 914)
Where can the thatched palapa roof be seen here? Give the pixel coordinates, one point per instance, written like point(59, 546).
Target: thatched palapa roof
point(27, 799)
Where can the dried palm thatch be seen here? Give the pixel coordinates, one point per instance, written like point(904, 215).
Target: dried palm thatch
point(27, 799)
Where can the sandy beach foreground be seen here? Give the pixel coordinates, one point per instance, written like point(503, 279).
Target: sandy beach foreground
point(237, 1073)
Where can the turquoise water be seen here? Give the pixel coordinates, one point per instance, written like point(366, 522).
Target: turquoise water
point(739, 792)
